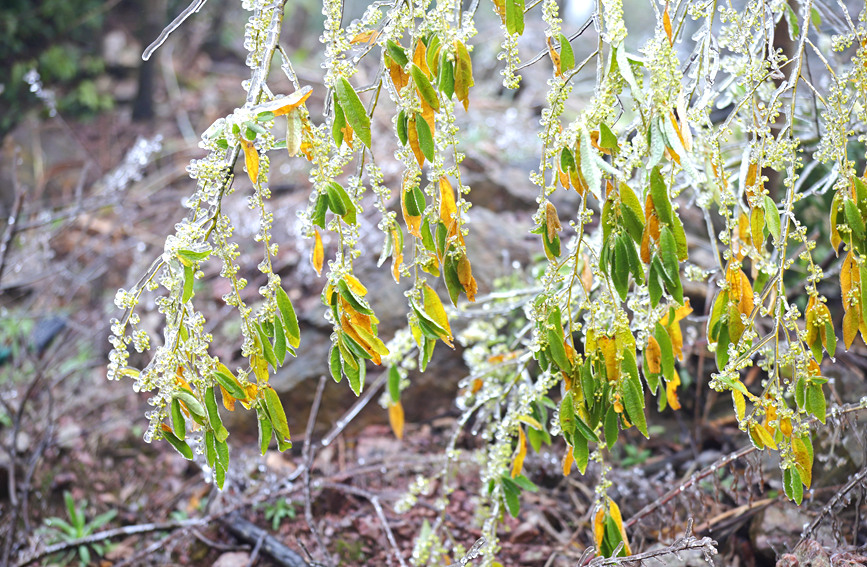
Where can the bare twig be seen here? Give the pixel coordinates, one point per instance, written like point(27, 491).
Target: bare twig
point(686, 542)
point(854, 481)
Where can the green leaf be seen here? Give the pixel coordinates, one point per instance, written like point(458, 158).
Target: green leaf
point(446, 77)
point(512, 494)
point(338, 123)
point(581, 453)
point(356, 302)
point(525, 483)
point(189, 279)
point(607, 138)
point(265, 429)
point(425, 89)
point(197, 412)
point(334, 364)
point(830, 339)
point(792, 22)
point(290, 320)
point(228, 382)
point(620, 264)
point(816, 401)
point(415, 202)
point(394, 384)
point(589, 167)
point(355, 113)
point(189, 257)
point(515, 16)
point(179, 424)
point(666, 351)
point(222, 453)
point(772, 218)
point(567, 59)
point(276, 413)
point(401, 125)
point(671, 267)
point(397, 53)
point(319, 209)
point(853, 218)
point(633, 401)
point(654, 285)
point(425, 138)
point(279, 343)
point(214, 420)
point(659, 193)
point(179, 445)
point(611, 428)
point(558, 351)
point(267, 349)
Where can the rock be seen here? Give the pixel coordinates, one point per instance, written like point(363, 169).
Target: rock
point(233, 559)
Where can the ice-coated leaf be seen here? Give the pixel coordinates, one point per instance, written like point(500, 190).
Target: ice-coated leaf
point(463, 74)
point(276, 413)
point(425, 89)
point(515, 16)
point(353, 109)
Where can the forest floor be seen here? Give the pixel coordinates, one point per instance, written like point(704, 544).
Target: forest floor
point(72, 449)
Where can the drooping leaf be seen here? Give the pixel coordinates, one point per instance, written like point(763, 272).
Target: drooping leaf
point(354, 110)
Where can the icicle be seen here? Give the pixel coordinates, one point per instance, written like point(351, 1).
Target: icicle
point(194, 7)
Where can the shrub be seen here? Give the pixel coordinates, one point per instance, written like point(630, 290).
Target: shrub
point(708, 112)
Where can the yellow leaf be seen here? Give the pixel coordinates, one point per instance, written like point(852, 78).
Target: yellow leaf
point(318, 256)
point(434, 308)
point(259, 366)
point(228, 400)
point(850, 281)
point(399, 77)
point(552, 221)
point(757, 227)
point(356, 286)
point(395, 418)
point(740, 404)
point(294, 133)
point(786, 426)
point(608, 347)
point(671, 391)
point(654, 355)
point(763, 434)
point(364, 37)
point(412, 137)
point(599, 527)
point(251, 160)
point(568, 459)
point(448, 208)
point(520, 454)
point(531, 421)
point(851, 322)
point(666, 24)
point(419, 57)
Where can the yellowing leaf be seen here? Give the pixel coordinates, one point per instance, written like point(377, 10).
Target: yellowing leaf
point(531, 421)
point(671, 391)
point(762, 433)
point(654, 355)
point(364, 37)
point(850, 281)
point(851, 323)
point(568, 459)
point(520, 453)
point(396, 419)
point(356, 286)
point(614, 510)
point(318, 255)
point(803, 459)
point(435, 310)
point(399, 77)
point(448, 208)
point(740, 404)
point(251, 160)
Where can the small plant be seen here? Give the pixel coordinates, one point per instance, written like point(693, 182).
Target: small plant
point(634, 456)
point(59, 530)
point(276, 512)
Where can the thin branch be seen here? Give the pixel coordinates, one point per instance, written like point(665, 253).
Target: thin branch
point(12, 221)
point(687, 542)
